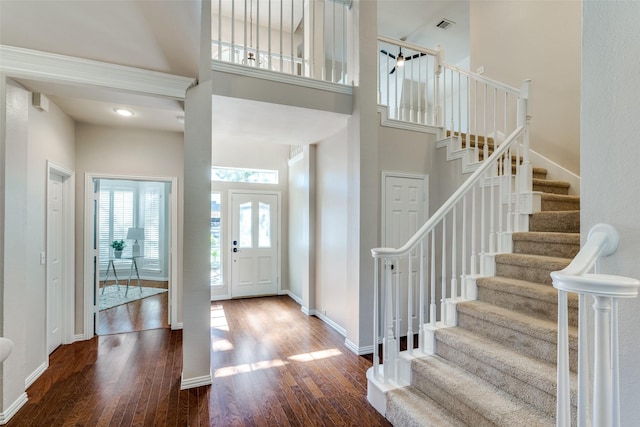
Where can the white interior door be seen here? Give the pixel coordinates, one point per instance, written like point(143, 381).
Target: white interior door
point(405, 212)
point(254, 244)
point(55, 255)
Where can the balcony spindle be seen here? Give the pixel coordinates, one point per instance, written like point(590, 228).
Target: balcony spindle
point(233, 31)
point(269, 47)
point(281, 36)
point(219, 30)
point(244, 43)
point(293, 63)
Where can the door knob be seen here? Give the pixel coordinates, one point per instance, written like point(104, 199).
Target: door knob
point(235, 243)
point(235, 249)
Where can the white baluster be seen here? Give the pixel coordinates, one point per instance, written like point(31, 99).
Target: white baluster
point(584, 364)
point(483, 232)
point(397, 316)
point(432, 306)
point(219, 30)
point(333, 45)
point(464, 247)
point(244, 43)
point(421, 298)
point(474, 215)
point(615, 366)
point(376, 319)
point(443, 305)
point(233, 31)
point(602, 399)
point(269, 50)
point(293, 68)
point(563, 402)
point(389, 339)
point(454, 272)
point(410, 305)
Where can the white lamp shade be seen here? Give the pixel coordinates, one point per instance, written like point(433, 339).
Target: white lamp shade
point(135, 234)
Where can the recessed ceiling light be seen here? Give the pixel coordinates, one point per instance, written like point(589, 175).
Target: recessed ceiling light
point(123, 112)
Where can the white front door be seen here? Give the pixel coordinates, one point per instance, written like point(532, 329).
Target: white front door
point(405, 212)
point(55, 255)
point(254, 244)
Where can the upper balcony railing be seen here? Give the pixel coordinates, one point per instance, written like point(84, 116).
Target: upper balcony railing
point(305, 38)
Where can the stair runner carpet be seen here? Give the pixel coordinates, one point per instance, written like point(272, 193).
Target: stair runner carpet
point(498, 366)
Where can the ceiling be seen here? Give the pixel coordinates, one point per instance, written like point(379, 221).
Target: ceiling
point(160, 35)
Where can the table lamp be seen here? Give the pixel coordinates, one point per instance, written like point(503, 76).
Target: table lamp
point(135, 234)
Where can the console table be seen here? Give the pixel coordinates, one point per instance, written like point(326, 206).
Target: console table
point(112, 266)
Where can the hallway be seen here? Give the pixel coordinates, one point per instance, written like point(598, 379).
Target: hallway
point(271, 366)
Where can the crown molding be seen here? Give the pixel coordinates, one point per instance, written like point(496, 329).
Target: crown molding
point(32, 64)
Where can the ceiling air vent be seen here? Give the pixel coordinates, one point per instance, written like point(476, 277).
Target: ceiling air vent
point(444, 24)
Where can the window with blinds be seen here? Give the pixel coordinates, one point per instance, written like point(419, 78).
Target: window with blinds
point(126, 204)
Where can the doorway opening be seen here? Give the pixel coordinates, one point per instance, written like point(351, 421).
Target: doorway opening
point(134, 237)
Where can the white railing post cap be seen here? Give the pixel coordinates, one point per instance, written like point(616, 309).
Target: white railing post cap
point(611, 237)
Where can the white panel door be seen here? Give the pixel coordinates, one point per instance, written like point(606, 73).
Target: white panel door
point(254, 244)
point(55, 255)
point(404, 208)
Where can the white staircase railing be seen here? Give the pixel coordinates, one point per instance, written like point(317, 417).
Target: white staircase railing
point(306, 38)
point(597, 383)
point(416, 85)
point(417, 285)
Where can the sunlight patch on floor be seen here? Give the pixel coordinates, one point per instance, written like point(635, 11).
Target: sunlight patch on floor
point(248, 367)
point(218, 318)
point(221, 344)
point(316, 355)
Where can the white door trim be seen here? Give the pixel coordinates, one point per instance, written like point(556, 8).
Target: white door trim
point(228, 264)
point(90, 306)
point(68, 268)
point(385, 174)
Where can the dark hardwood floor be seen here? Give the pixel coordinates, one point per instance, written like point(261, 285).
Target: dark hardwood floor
point(140, 315)
point(271, 366)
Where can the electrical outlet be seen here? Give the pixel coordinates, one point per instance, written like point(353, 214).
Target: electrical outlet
point(480, 70)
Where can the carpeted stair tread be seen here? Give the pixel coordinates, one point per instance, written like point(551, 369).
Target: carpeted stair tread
point(555, 221)
point(409, 407)
point(526, 334)
point(534, 268)
point(544, 329)
point(526, 378)
point(551, 186)
point(559, 202)
point(539, 173)
point(534, 299)
point(564, 245)
point(471, 399)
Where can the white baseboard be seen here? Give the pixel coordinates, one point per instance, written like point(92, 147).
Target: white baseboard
point(36, 374)
point(78, 337)
point(342, 331)
point(368, 349)
point(203, 380)
point(176, 326)
point(5, 416)
point(293, 296)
